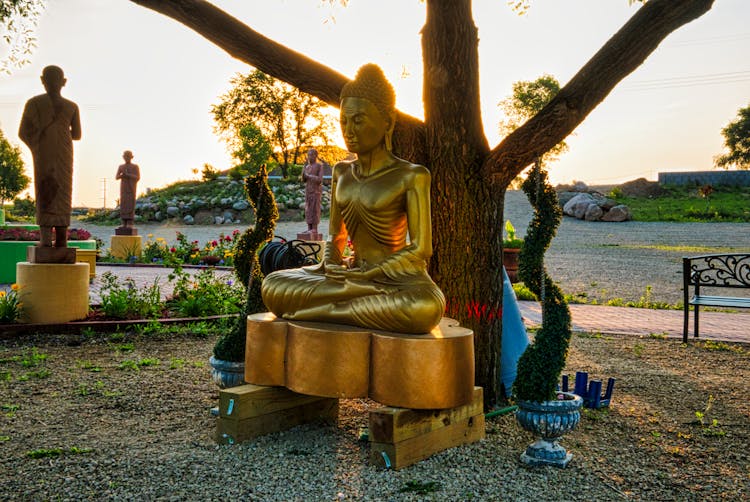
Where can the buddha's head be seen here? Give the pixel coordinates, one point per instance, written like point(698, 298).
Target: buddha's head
point(368, 110)
point(127, 155)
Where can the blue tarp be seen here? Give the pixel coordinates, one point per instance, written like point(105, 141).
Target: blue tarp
point(515, 339)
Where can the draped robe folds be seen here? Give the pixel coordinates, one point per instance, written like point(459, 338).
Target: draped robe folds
point(128, 174)
point(46, 128)
point(313, 178)
point(403, 299)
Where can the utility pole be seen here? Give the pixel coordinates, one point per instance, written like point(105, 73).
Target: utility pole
point(104, 193)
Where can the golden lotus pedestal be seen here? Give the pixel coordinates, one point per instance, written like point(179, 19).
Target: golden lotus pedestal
point(53, 292)
point(302, 368)
point(125, 246)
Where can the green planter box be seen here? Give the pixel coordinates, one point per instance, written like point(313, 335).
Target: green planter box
point(12, 252)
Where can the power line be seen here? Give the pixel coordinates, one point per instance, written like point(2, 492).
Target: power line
point(689, 81)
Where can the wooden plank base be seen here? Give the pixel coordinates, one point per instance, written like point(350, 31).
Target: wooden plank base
point(400, 437)
point(250, 411)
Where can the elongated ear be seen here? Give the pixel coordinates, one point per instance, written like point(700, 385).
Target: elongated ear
point(389, 131)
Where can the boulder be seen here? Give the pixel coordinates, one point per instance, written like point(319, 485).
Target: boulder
point(173, 211)
point(188, 219)
point(240, 205)
point(593, 213)
point(620, 212)
point(578, 205)
point(218, 220)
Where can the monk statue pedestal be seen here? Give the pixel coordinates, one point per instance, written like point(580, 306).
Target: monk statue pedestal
point(310, 235)
point(125, 243)
point(126, 231)
point(53, 293)
point(417, 376)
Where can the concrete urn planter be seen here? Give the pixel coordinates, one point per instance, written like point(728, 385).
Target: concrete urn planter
point(550, 420)
point(227, 374)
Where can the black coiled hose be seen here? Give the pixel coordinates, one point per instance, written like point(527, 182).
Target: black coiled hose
point(283, 254)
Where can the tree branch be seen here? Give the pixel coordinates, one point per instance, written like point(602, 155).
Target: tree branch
point(243, 43)
point(619, 57)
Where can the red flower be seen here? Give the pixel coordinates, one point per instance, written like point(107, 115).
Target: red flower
point(214, 243)
point(172, 250)
point(228, 238)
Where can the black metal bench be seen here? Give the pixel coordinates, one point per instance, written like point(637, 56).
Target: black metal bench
point(713, 271)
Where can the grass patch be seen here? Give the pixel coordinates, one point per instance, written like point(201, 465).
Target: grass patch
point(686, 249)
point(56, 452)
point(686, 204)
point(421, 487)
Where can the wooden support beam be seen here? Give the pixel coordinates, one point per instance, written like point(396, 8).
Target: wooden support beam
point(401, 437)
point(250, 411)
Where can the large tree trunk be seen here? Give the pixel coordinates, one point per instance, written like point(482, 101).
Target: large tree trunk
point(466, 215)
point(469, 181)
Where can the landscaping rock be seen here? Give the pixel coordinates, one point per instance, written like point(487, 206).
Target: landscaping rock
point(173, 211)
point(593, 213)
point(595, 207)
point(188, 219)
point(618, 213)
point(240, 205)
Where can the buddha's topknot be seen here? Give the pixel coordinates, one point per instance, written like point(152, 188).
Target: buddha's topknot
point(371, 84)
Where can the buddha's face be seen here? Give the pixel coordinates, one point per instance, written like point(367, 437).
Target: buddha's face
point(362, 125)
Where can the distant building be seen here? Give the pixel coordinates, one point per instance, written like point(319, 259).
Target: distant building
point(730, 178)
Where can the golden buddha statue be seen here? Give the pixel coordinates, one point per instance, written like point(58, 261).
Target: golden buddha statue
point(376, 201)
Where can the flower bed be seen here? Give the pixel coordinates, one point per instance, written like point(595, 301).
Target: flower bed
point(15, 239)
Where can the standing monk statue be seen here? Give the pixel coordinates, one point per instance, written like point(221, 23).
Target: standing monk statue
point(312, 175)
point(128, 174)
point(382, 204)
point(49, 125)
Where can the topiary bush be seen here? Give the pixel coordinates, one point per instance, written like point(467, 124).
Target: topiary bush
point(540, 366)
point(231, 346)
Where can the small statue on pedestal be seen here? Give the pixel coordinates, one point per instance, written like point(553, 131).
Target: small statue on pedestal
point(312, 175)
point(49, 125)
point(128, 174)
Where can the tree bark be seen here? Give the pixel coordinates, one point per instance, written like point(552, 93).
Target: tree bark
point(469, 180)
point(466, 215)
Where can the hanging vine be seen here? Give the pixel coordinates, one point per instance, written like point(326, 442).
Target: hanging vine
point(540, 366)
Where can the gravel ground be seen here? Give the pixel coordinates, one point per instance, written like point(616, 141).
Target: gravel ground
point(596, 260)
point(146, 434)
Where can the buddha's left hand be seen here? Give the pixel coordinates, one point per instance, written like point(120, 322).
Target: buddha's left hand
point(355, 274)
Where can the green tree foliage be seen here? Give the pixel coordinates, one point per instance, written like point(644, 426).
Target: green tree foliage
point(12, 178)
point(254, 149)
point(287, 117)
point(737, 140)
point(528, 99)
point(18, 20)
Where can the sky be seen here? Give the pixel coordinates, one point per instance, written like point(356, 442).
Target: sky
point(146, 83)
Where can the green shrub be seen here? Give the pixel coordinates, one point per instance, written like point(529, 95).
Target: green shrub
point(231, 346)
point(540, 366)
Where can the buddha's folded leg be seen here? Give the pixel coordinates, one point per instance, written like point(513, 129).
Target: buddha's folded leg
point(415, 310)
point(286, 292)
